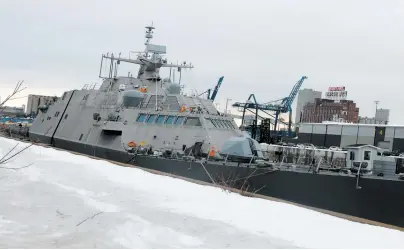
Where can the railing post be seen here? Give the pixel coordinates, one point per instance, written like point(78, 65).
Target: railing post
point(357, 178)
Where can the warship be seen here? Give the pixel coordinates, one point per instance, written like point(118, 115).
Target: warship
point(148, 121)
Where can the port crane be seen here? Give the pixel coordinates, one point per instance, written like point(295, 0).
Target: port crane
point(215, 91)
point(280, 106)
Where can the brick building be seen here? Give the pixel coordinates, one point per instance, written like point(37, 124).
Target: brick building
point(329, 110)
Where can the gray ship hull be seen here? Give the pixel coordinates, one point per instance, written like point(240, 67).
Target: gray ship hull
point(378, 199)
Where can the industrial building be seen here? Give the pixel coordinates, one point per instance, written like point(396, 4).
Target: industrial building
point(367, 120)
point(35, 101)
point(304, 97)
point(382, 117)
point(329, 110)
point(12, 111)
point(343, 134)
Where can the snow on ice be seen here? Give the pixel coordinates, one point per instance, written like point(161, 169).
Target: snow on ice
point(65, 200)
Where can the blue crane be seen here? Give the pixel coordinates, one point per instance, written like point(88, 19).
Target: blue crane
point(283, 105)
point(215, 91)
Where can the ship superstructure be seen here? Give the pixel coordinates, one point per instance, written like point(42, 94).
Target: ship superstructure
point(145, 110)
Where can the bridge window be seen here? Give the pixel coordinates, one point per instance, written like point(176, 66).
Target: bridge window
point(151, 118)
point(179, 120)
point(192, 121)
point(160, 119)
point(141, 118)
point(170, 120)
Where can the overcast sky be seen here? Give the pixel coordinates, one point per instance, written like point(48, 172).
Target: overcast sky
point(261, 47)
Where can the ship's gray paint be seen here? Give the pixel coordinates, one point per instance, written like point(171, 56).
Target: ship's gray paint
point(108, 117)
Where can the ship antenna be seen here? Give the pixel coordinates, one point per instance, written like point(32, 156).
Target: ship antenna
point(149, 35)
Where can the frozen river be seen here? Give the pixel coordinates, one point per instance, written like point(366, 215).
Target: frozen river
point(64, 200)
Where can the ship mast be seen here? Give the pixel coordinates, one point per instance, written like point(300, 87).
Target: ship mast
point(150, 60)
point(149, 36)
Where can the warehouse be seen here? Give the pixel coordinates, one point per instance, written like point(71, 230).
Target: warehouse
point(389, 137)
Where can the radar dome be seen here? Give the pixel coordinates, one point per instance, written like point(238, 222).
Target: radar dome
point(174, 88)
point(132, 98)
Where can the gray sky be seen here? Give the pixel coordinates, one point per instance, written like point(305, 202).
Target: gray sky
point(261, 47)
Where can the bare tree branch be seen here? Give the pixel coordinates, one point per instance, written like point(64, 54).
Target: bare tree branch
point(259, 189)
point(16, 90)
point(1, 160)
point(17, 168)
point(88, 218)
point(4, 161)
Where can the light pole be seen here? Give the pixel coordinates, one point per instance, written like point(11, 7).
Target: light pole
point(227, 101)
point(376, 102)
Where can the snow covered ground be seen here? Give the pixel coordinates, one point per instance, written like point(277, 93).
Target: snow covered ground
point(69, 201)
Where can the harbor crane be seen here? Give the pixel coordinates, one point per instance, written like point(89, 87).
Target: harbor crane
point(215, 91)
point(280, 106)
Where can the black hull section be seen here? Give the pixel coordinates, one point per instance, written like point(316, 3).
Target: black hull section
point(377, 200)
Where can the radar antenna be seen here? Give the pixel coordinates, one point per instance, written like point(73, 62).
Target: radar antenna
point(149, 33)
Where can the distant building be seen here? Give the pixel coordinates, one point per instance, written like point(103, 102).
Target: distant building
point(34, 101)
point(305, 96)
point(382, 117)
point(329, 110)
point(12, 111)
point(367, 120)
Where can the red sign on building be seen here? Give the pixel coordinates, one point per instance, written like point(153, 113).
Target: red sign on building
point(336, 88)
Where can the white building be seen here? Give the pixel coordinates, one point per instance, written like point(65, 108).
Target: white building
point(305, 96)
